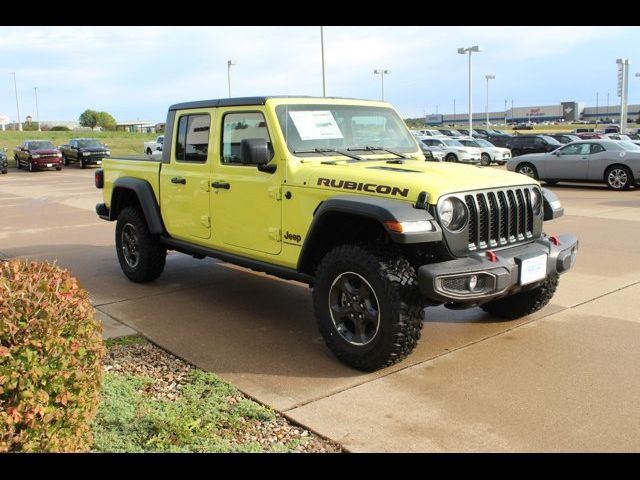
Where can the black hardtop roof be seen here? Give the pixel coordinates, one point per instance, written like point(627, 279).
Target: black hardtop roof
point(240, 101)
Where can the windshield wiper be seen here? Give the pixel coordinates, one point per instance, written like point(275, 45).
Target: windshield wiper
point(329, 150)
point(371, 149)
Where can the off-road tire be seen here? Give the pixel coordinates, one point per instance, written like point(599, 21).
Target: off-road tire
point(523, 303)
point(394, 284)
point(152, 254)
point(485, 160)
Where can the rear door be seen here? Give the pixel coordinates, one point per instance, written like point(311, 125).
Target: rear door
point(184, 182)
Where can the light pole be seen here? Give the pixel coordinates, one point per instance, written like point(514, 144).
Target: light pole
point(462, 51)
point(505, 112)
point(15, 87)
point(324, 80)
point(597, 107)
point(454, 112)
point(382, 73)
point(607, 105)
point(488, 77)
point(623, 81)
point(35, 89)
point(229, 64)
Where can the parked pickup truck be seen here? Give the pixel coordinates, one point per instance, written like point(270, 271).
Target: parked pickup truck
point(278, 185)
point(84, 151)
point(151, 147)
point(37, 154)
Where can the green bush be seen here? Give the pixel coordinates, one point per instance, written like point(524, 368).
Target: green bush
point(60, 128)
point(51, 351)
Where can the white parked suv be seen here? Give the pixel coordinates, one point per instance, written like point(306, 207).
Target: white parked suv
point(488, 151)
point(455, 151)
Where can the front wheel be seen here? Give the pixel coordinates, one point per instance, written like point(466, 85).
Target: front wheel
point(141, 255)
point(368, 306)
point(528, 170)
point(149, 152)
point(618, 178)
point(82, 164)
point(523, 303)
point(4, 172)
point(485, 160)
point(18, 164)
point(30, 166)
point(65, 161)
point(451, 158)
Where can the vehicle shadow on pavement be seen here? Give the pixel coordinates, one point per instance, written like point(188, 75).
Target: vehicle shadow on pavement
point(233, 321)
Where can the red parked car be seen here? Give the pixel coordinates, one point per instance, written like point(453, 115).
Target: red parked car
point(590, 135)
point(37, 154)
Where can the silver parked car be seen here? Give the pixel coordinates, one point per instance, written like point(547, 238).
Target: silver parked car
point(455, 151)
point(616, 163)
point(488, 151)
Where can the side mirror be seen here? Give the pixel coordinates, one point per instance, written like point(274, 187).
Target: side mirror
point(255, 151)
point(159, 148)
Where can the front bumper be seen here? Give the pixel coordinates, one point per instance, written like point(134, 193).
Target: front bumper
point(47, 162)
point(448, 282)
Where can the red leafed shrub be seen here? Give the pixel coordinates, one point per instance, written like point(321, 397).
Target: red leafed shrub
point(51, 351)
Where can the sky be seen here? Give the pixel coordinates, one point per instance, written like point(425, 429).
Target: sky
point(135, 73)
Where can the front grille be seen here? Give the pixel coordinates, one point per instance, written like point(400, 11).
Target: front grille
point(49, 155)
point(499, 218)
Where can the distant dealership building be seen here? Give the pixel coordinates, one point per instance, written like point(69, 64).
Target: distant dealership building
point(136, 126)
point(567, 111)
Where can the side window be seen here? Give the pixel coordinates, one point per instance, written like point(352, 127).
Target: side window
point(539, 141)
point(192, 143)
point(73, 144)
point(573, 149)
point(597, 148)
point(585, 149)
point(241, 126)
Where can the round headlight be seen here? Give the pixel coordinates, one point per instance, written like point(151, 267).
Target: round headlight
point(453, 214)
point(536, 201)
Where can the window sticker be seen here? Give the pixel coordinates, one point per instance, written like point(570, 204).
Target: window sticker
point(316, 125)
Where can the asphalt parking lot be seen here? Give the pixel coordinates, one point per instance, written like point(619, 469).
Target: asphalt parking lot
point(563, 379)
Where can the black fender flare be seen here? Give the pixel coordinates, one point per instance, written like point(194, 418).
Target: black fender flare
point(147, 199)
point(379, 209)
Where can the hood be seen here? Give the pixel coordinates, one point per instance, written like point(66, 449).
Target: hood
point(402, 181)
point(45, 151)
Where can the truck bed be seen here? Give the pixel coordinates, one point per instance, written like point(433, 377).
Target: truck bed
point(145, 167)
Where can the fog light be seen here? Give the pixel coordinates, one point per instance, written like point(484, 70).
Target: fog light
point(473, 281)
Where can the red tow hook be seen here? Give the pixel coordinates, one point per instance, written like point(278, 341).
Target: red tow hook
point(492, 256)
point(555, 240)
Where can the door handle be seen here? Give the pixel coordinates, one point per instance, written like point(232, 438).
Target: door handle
point(224, 185)
point(179, 180)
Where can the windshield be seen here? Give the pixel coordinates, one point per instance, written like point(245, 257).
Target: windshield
point(550, 140)
point(629, 146)
point(308, 127)
point(453, 143)
point(483, 143)
point(40, 145)
point(89, 143)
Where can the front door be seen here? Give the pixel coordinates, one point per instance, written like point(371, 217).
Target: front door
point(245, 202)
point(184, 182)
point(570, 163)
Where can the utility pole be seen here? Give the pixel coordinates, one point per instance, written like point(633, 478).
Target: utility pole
point(488, 77)
point(462, 51)
point(15, 87)
point(597, 108)
point(35, 89)
point(454, 112)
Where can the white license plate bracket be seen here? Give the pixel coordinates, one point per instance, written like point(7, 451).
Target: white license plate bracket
point(533, 268)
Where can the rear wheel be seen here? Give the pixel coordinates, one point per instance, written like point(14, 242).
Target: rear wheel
point(141, 255)
point(65, 161)
point(368, 306)
point(485, 160)
point(528, 170)
point(618, 178)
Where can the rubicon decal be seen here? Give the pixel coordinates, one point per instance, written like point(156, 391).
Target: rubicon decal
point(363, 187)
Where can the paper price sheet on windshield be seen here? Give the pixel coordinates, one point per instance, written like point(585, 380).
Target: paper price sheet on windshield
point(316, 125)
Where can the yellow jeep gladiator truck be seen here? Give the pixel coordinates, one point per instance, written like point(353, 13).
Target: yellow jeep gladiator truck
point(336, 193)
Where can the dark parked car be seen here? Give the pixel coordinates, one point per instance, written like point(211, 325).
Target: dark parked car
point(37, 154)
point(565, 138)
point(84, 151)
point(523, 126)
point(4, 163)
point(523, 144)
point(476, 133)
